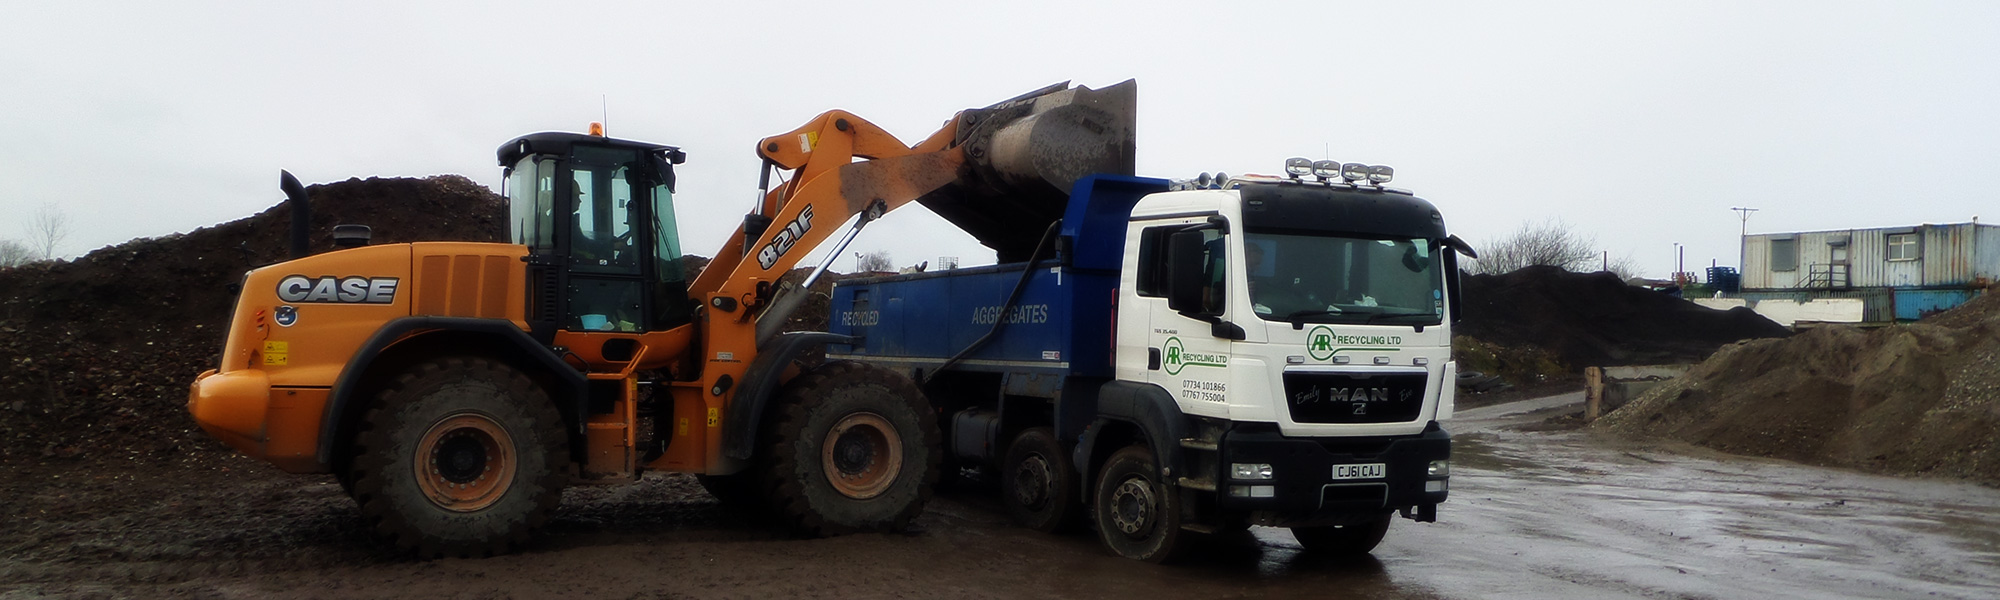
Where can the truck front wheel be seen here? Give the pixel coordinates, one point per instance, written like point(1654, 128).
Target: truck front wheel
point(459, 457)
point(1037, 482)
point(1138, 516)
point(853, 447)
point(1354, 539)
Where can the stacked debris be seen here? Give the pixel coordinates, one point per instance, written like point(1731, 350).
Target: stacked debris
point(1920, 398)
point(96, 354)
point(1594, 319)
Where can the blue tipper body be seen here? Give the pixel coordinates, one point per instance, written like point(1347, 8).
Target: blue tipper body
point(1062, 323)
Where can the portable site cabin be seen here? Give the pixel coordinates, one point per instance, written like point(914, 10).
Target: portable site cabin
point(1900, 273)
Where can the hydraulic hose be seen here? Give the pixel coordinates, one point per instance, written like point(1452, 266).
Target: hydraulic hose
point(1013, 298)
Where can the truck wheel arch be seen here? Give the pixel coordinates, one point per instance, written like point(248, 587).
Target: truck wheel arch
point(1130, 412)
point(403, 342)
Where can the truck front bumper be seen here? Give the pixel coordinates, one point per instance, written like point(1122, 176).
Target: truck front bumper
point(275, 424)
point(1330, 480)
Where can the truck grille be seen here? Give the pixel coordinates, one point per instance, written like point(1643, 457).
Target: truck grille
point(1354, 397)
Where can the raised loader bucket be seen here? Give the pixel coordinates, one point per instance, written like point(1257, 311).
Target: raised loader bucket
point(1022, 156)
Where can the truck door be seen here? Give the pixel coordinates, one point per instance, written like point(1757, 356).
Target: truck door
point(1182, 353)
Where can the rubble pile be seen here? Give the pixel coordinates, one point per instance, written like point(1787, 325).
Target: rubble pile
point(1594, 319)
point(98, 352)
point(1920, 398)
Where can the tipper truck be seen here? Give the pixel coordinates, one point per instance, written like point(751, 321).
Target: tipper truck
point(1193, 357)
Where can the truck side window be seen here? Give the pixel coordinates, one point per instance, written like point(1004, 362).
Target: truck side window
point(1152, 280)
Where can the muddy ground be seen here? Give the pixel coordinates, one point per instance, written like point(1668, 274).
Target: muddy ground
point(1533, 514)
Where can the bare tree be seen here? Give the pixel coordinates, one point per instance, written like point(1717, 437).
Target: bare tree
point(48, 230)
point(876, 261)
point(14, 254)
point(1551, 242)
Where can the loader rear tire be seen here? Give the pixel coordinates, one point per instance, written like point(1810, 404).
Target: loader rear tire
point(852, 447)
point(459, 457)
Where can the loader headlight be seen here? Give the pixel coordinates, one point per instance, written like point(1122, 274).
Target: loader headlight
point(1439, 468)
point(1298, 167)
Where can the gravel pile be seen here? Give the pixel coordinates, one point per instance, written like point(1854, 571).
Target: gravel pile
point(1920, 398)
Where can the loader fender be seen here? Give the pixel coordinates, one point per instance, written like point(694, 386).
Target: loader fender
point(746, 411)
point(495, 337)
point(1146, 407)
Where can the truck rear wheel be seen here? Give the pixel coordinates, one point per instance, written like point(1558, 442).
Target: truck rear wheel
point(852, 447)
point(1038, 484)
point(1354, 539)
point(1138, 516)
point(459, 457)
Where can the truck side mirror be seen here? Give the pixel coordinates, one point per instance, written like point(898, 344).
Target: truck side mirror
point(1452, 284)
point(1188, 276)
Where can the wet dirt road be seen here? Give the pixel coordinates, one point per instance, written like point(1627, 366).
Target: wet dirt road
point(1533, 515)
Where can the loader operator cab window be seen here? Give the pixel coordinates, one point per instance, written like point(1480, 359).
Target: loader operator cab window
point(598, 219)
point(531, 207)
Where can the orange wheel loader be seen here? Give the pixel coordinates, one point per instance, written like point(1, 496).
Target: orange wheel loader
point(454, 389)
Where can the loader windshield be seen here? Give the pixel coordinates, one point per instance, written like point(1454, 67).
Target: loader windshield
point(1334, 279)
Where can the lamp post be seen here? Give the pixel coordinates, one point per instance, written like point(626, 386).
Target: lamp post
point(1742, 235)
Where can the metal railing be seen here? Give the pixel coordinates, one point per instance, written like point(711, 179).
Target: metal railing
point(1827, 277)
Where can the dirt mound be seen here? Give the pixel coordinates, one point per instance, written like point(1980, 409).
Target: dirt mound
point(1596, 320)
point(98, 352)
point(1922, 398)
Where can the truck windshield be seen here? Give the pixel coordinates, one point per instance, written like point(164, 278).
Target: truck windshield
point(1335, 279)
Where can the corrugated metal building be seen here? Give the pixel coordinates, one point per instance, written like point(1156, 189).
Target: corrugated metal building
point(1903, 273)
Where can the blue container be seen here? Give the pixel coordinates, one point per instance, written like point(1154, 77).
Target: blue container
point(1725, 279)
point(1062, 323)
point(1917, 304)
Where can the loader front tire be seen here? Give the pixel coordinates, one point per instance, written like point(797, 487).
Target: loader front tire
point(459, 457)
point(852, 447)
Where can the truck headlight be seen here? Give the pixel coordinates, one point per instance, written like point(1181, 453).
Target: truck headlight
point(1250, 471)
point(1440, 468)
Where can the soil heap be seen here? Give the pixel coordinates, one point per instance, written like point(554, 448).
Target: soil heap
point(1594, 319)
point(1921, 398)
point(96, 354)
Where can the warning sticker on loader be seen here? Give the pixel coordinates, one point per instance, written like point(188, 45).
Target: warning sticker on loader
point(277, 353)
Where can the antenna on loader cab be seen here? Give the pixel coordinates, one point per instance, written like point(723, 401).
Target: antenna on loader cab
point(604, 111)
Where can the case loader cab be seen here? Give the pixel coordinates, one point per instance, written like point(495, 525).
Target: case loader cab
point(597, 216)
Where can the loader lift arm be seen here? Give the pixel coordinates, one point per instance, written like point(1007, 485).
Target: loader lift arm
point(985, 170)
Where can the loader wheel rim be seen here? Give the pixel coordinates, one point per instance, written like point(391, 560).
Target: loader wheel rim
point(1132, 507)
point(465, 462)
point(861, 455)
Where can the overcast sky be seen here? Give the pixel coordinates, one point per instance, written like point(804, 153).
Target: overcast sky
point(1638, 123)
